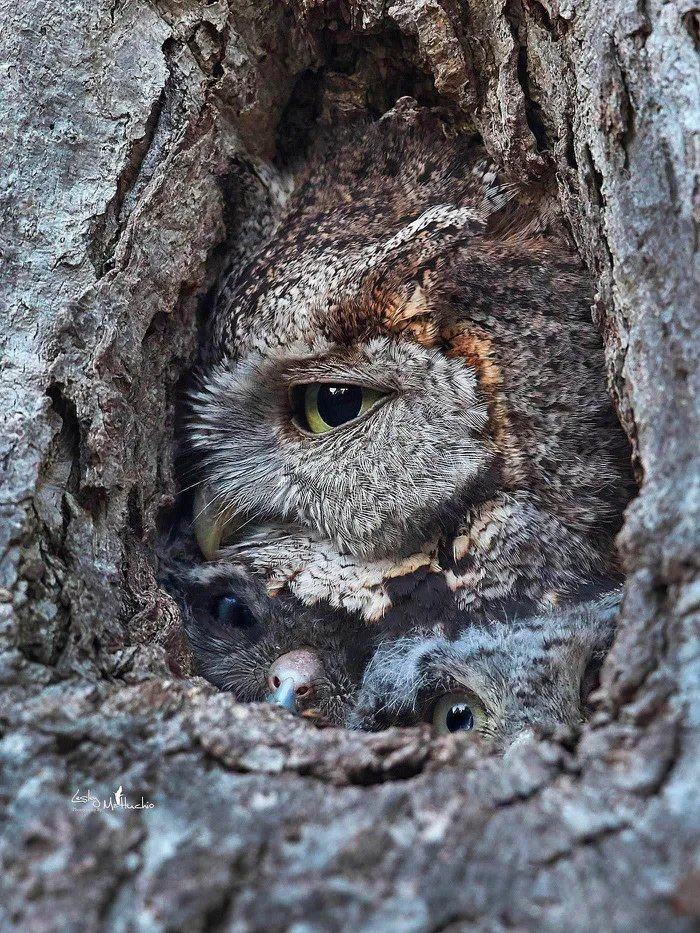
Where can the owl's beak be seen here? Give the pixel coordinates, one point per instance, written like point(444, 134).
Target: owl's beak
point(210, 522)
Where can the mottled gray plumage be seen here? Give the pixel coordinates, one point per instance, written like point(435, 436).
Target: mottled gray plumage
point(515, 675)
point(484, 473)
point(491, 469)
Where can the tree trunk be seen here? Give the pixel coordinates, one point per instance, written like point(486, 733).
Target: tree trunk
point(143, 144)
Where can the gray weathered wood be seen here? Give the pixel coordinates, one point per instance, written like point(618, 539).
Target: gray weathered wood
point(138, 149)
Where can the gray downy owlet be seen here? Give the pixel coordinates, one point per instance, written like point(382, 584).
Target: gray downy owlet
point(499, 681)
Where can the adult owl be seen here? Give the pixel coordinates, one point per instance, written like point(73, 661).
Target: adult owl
point(402, 414)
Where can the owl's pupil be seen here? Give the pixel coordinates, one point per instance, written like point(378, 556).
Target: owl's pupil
point(339, 403)
point(459, 718)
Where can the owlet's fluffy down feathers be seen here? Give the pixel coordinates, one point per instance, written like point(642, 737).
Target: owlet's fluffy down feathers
point(501, 681)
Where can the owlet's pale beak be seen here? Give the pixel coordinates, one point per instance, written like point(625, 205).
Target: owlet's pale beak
point(284, 696)
point(292, 678)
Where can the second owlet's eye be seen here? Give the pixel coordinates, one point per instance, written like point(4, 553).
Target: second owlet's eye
point(457, 712)
point(322, 406)
point(232, 611)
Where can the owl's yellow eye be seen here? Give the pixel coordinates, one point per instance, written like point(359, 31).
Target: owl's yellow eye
point(458, 712)
point(322, 406)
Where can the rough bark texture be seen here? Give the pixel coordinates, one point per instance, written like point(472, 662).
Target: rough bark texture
point(142, 141)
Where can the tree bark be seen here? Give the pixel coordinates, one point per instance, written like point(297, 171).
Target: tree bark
point(143, 145)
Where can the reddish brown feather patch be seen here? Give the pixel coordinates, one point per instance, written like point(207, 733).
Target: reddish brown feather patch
point(384, 310)
point(477, 350)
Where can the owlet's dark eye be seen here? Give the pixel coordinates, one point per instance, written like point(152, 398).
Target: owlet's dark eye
point(232, 611)
point(458, 712)
point(322, 406)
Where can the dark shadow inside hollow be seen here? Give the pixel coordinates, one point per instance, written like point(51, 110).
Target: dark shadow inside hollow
point(360, 79)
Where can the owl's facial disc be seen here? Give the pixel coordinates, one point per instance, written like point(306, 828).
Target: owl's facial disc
point(372, 448)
